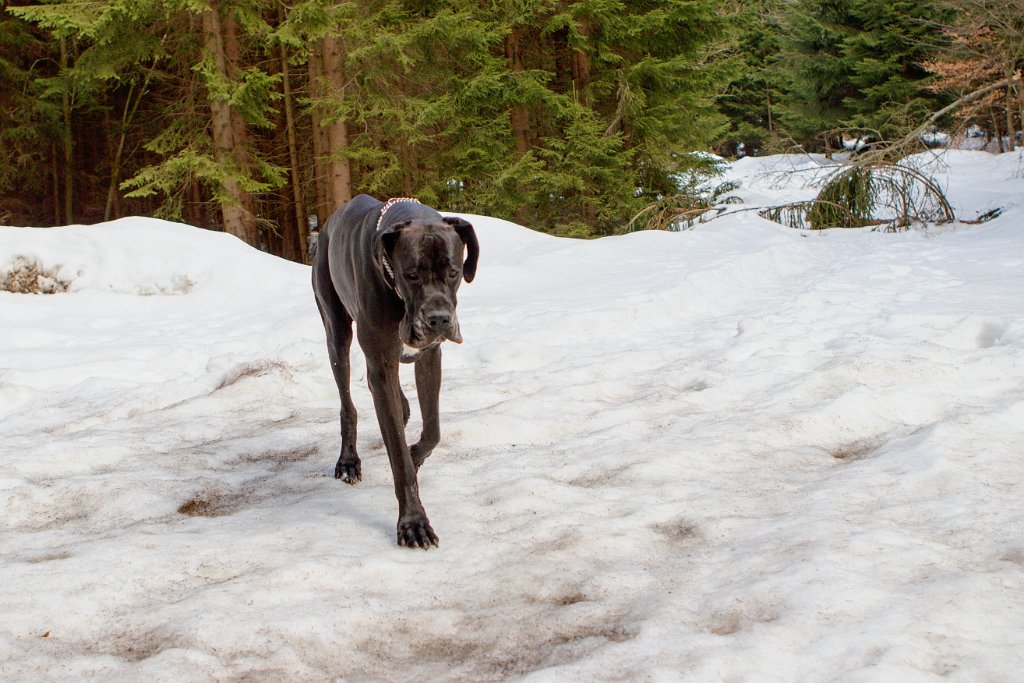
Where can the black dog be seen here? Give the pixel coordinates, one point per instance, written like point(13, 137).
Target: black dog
point(394, 269)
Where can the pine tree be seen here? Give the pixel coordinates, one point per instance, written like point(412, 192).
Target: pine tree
point(121, 42)
point(857, 64)
point(816, 80)
point(562, 114)
point(29, 125)
point(633, 84)
point(99, 69)
point(752, 95)
point(887, 56)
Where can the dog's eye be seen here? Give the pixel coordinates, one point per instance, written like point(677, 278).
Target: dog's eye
point(412, 275)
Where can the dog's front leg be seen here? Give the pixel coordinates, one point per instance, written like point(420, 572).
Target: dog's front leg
point(413, 526)
point(428, 390)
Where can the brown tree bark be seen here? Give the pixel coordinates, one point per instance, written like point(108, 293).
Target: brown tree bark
point(69, 144)
point(581, 71)
point(220, 38)
point(580, 81)
point(194, 208)
point(1019, 89)
point(519, 116)
point(293, 152)
point(995, 127)
point(56, 183)
point(113, 205)
point(233, 62)
point(320, 142)
point(339, 172)
point(1011, 131)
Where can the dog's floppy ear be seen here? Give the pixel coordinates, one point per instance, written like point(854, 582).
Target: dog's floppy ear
point(468, 235)
point(384, 244)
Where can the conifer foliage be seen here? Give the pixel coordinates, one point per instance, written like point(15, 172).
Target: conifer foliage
point(260, 117)
point(857, 64)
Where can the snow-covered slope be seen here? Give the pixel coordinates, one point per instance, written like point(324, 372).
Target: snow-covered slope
point(741, 452)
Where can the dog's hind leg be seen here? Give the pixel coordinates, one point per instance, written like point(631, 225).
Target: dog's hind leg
point(348, 467)
point(338, 326)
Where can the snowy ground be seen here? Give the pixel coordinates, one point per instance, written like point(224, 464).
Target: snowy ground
point(740, 453)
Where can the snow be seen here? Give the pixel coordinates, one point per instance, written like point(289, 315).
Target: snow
point(741, 452)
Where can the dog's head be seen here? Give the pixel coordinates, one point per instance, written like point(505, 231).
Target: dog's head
point(426, 259)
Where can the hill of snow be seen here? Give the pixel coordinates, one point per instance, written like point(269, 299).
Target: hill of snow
point(741, 452)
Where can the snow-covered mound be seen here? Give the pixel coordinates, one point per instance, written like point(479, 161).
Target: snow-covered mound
point(144, 256)
point(741, 452)
point(974, 182)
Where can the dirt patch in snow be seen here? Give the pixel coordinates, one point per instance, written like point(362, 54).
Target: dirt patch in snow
point(23, 276)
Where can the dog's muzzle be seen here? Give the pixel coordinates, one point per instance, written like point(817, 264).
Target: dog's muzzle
point(430, 327)
point(442, 324)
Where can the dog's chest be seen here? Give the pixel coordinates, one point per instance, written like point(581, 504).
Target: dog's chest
point(409, 354)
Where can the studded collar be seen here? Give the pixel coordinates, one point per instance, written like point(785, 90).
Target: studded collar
point(387, 265)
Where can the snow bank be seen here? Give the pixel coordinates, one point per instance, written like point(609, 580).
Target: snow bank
point(142, 256)
point(741, 452)
point(974, 182)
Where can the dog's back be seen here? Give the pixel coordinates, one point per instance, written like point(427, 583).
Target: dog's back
point(343, 245)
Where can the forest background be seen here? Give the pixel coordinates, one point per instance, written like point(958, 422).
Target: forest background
point(261, 117)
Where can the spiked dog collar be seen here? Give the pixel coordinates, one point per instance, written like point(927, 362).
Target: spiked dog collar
point(391, 202)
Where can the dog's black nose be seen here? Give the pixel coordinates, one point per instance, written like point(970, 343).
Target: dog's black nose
point(438, 321)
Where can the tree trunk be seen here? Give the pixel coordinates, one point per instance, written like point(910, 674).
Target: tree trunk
point(68, 140)
point(113, 207)
point(56, 183)
point(519, 116)
point(1011, 132)
point(995, 127)
point(581, 71)
point(339, 173)
point(195, 205)
point(115, 167)
point(581, 81)
point(221, 40)
point(320, 142)
point(293, 152)
point(233, 62)
point(1019, 89)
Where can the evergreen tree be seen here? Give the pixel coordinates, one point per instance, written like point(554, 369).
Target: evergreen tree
point(857, 64)
point(634, 84)
point(98, 67)
point(29, 124)
point(565, 115)
point(210, 142)
point(888, 56)
point(752, 95)
point(121, 42)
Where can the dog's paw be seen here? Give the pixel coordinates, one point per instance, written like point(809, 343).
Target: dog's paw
point(349, 471)
point(419, 454)
point(416, 533)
